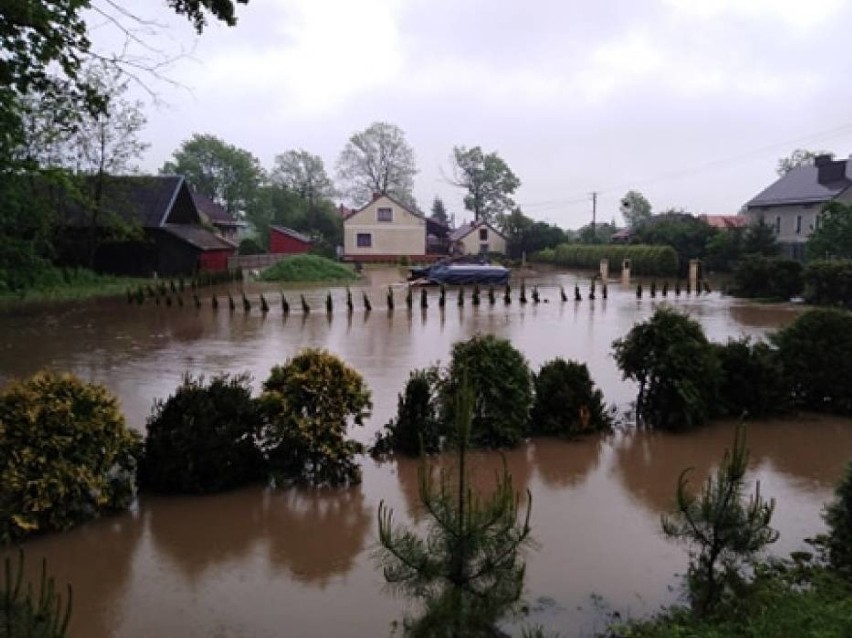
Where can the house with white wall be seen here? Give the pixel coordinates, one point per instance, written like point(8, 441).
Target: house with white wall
point(384, 230)
point(477, 238)
point(792, 204)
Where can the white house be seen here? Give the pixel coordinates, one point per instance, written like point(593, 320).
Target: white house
point(384, 230)
point(477, 238)
point(793, 203)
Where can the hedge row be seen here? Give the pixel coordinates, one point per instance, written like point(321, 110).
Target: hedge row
point(644, 260)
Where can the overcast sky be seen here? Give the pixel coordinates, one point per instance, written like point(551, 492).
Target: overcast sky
point(691, 102)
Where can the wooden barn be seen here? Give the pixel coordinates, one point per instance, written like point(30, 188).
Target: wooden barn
point(286, 241)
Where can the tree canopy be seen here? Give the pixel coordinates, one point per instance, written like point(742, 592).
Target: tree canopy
point(799, 157)
point(489, 182)
point(226, 174)
point(439, 211)
point(833, 235)
point(303, 173)
point(635, 208)
point(378, 160)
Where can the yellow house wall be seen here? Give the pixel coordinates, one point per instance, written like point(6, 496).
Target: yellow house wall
point(496, 242)
point(405, 235)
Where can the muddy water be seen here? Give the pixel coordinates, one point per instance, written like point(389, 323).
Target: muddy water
point(258, 562)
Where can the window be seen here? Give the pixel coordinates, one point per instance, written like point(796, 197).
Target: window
point(364, 240)
point(384, 214)
point(798, 224)
point(483, 234)
point(778, 224)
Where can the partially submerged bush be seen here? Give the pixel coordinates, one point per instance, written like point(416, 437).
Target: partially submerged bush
point(417, 426)
point(768, 277)
point(829, 283)
point(203, 438)
point(838, 517)
point(676, 369)
point(308, 403)
point(501, 382)
point(308, 268)
point(66, 455)
point(566, 401)
point(752, 379)
point(816, 354)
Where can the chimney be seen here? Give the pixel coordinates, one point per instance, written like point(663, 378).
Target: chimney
point(376, 195)
point(822, 160)
point(829, 171)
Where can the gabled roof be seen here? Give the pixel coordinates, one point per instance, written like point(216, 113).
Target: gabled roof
point(466, 229)
point(292, 233)
point(806, 185)
point(217, 214)
point(147, 200)
point(199, 237)
point(376, 197)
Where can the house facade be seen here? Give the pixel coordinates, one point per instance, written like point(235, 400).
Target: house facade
point(477, 238)
point(792, 204)
point(384, 230)
point(286, 241)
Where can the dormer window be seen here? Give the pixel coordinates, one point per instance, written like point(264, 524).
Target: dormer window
point(384, 214)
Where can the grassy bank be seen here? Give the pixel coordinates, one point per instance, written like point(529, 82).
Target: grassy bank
point(308, 268)
point(70, 284)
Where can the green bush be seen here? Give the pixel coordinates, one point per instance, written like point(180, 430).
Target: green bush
point(816, 355)
point(768, 277)
point(644, 260)
point(417, 426)
point(249, 246)
point(753, 381)
point(66, 455)
point(566, 401)
point(203, 438)
point(27, 612)
point(838, 518)
point(308, 268)
point(500, 379)
point(829, 283)
point(676, 369)
point(308, 403)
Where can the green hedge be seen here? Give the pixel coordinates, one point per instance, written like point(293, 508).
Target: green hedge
point(645, 260)
point(829, 282)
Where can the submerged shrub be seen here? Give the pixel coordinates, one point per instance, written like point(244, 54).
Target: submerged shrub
point(838, 517)
point(417, 425)
point(30, 612)
point(501, 382)
point(676, 369)
point(829, 282)
point(203, 438)
point(66, 455)
point(816, 355)
point(770, 277)
point(566, 401)
point(308, 403)
point(752, 379)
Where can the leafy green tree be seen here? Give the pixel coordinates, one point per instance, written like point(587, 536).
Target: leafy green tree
point(66, 455)
point(760, 239)
point(378, 160)
point(799, 157)
point(829, 282)
point(833, 235)
point(467, 571)
point(838, 518)
point(723, 530)
point(226, 174)
point(203, 437)
point(816, 355)
point(439, 211)
point(768, 277)
point(600, 233)
point(635, 208)
point(308, 404)
point(501, 382)
point(688, 235)
point(676, 369)
point(488, 180)
point(304, 174)
point(566, 401)
point(417, 427)
point(753, 380)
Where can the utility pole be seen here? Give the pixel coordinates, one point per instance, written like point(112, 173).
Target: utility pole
point(594, 210)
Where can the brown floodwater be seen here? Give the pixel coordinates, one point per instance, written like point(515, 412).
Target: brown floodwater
point(262, 562)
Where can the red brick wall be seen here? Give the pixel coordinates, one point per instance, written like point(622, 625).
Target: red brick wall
point(282, 243)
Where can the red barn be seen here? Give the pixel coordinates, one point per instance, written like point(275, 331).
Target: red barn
point(286, 241)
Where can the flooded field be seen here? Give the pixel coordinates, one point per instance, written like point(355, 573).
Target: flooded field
point(259, 562)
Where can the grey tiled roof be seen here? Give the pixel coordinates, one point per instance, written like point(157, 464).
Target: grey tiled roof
point(801, 186)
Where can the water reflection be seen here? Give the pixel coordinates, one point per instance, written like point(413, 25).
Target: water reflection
point(566, 463)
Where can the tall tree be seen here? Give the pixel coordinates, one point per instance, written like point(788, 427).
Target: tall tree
point(833, 235)
point(635, 208)
point(439, 211)
point(378, 160)
point(304, 174)
point(488, 180)
point(226, 174)
point(799, 157)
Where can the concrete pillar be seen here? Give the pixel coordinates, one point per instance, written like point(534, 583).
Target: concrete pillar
point(694, 273)
point(625, 272)
point(604, 269)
